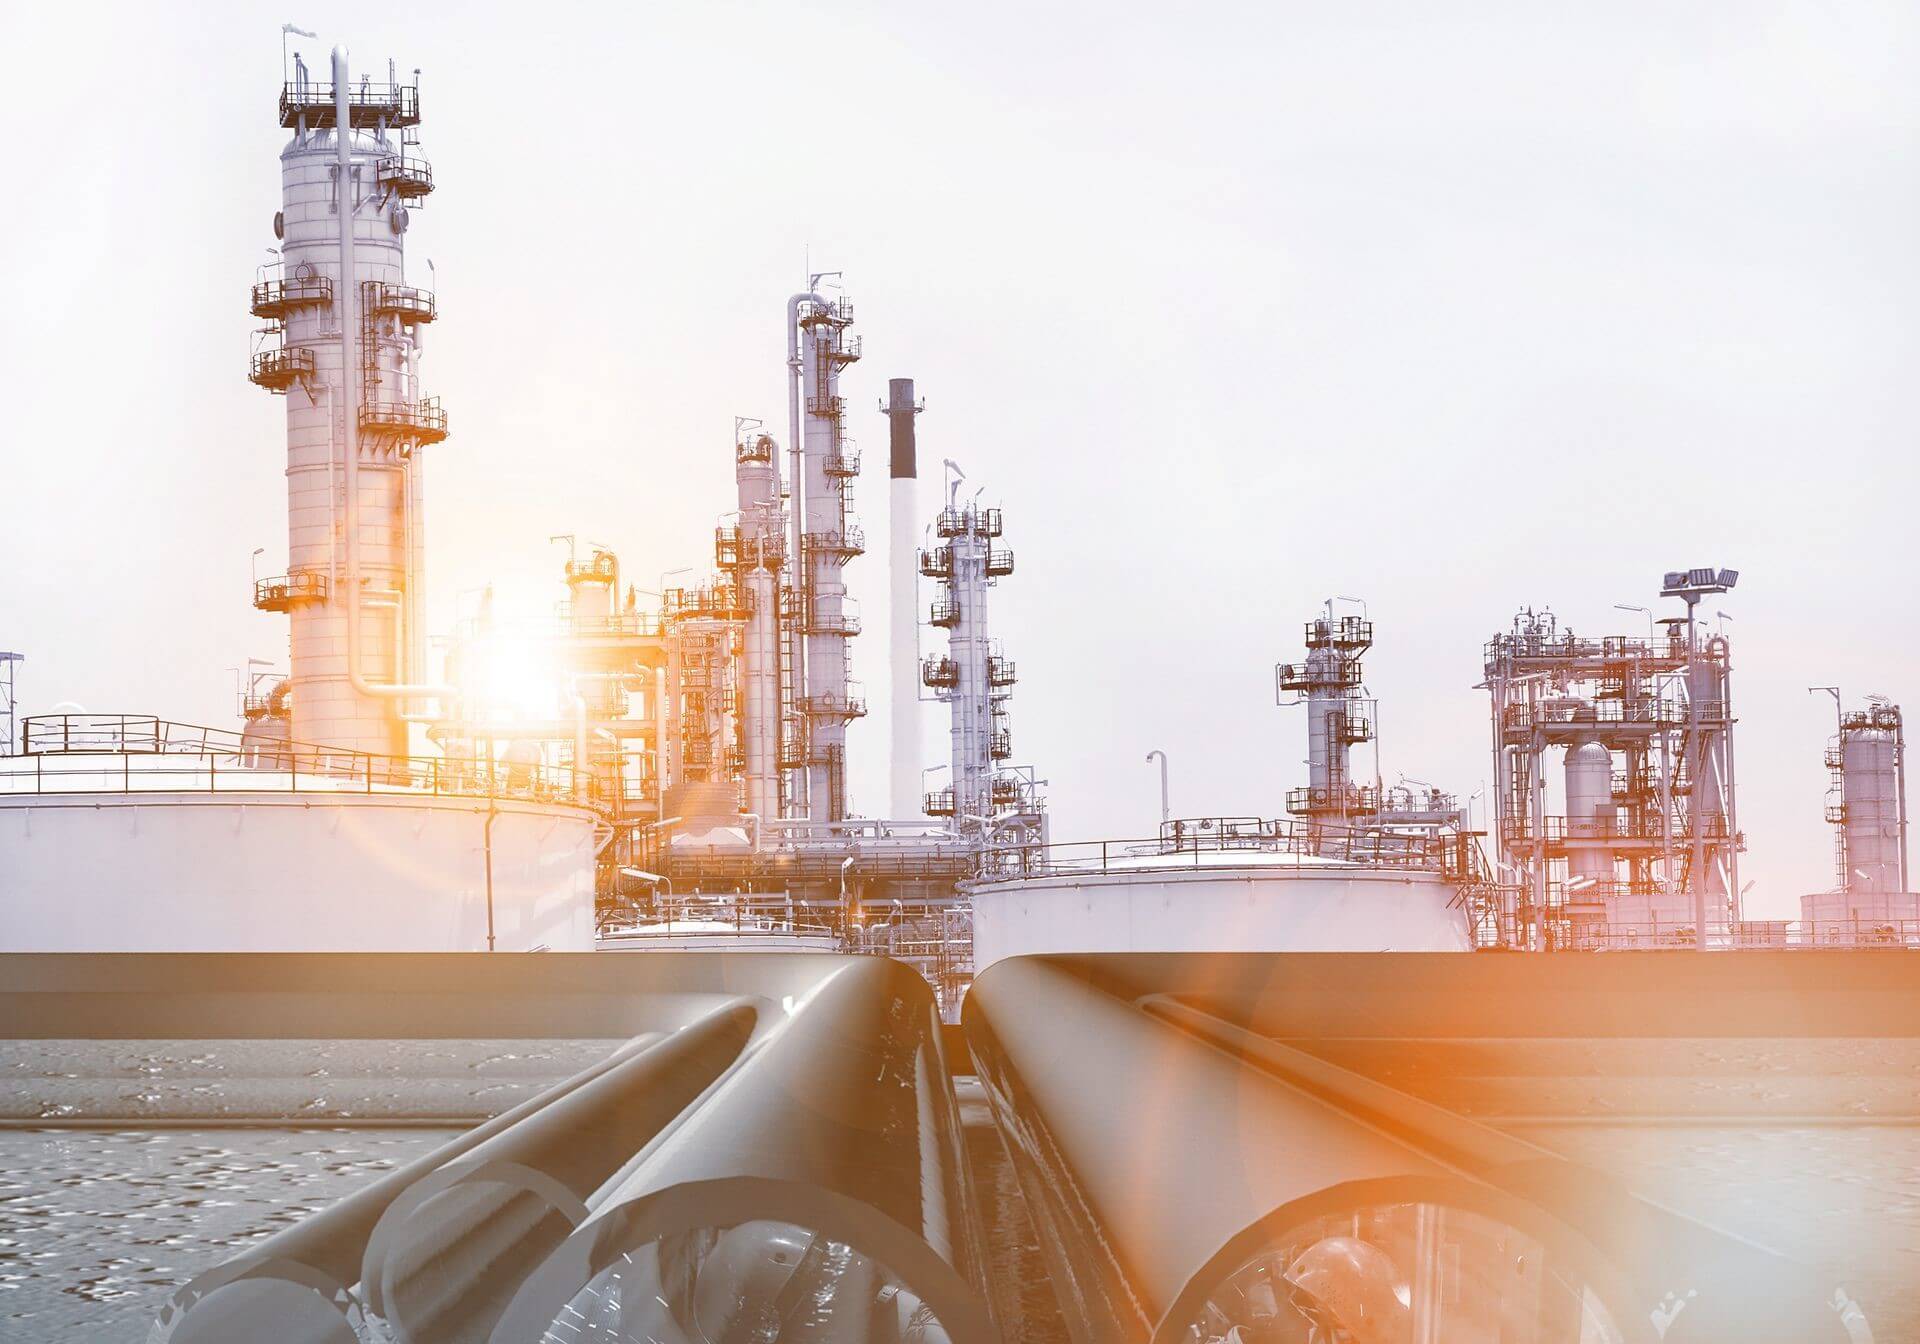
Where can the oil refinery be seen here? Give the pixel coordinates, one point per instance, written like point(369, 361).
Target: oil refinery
point(1329, 1070)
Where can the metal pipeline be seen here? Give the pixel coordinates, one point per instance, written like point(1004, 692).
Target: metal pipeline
point(434, 1264)
point(1180, 1163)
point(824, 1181)
point(322, 1252)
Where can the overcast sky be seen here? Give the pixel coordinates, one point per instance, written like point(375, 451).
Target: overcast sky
point(1454, 307)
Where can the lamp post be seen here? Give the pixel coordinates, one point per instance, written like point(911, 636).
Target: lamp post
point(1165, 811)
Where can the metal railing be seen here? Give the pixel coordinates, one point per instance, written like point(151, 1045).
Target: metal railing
point(410, 179)
point(129, 753)
point(405, 301)
point(282, 592)
point(368, 104)
point(1611, 828)
point(424, 420)
point(1211, 842)
point(277, 298)
point(280, 368)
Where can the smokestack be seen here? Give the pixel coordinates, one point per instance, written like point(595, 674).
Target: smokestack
point(903, 653)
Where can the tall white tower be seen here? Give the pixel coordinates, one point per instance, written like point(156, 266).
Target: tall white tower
point(827, 699)
point(1339, 717)
point(971, 677)
point(377, 404)
point(752, 555)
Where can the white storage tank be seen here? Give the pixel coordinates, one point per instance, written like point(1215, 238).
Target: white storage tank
point(1218, 901)
point(277, 871)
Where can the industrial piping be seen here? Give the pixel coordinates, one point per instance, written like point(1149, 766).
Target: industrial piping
point(1281, 1140)
point(843, 1128)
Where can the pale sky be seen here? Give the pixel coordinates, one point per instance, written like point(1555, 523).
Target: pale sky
point(1454, 307)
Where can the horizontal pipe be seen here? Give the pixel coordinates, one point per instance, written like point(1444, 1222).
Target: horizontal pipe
point(434, 1266)
point(839, 1134)
point(1150, 1198)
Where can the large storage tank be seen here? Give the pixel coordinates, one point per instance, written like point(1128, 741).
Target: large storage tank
point(1224, 901)
point(171, 871)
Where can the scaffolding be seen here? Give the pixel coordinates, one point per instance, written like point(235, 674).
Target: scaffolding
point(1645, 831)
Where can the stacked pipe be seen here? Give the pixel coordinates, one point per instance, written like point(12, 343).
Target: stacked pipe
point(786, 1161)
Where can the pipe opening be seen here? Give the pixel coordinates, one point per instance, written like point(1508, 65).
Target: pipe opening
point(1414, 1273)
point(763, 1281)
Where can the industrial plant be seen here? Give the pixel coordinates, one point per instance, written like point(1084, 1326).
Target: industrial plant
point(773, 1134)
point(680, 780)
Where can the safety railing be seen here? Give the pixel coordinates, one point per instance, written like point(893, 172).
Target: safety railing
point(1211, 842)
point(407, 302)
point(368, 104)
point(280, 368)
point(1629, 827)
point(409, 179)
point(275, 299)
point(283, 592)
point(423, 421)
point(128, 753)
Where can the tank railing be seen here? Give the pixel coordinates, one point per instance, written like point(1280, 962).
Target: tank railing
point(93, 753)
point(1574, 935)
point(1191, 843)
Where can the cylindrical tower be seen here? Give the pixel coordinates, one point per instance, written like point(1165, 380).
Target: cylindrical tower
point(301, 354)
point(971, 677)
point(1873, 827)
point(827, 701)
point(1590, 812)
point(903, 654)
point(1337, 719)
point(753, 555)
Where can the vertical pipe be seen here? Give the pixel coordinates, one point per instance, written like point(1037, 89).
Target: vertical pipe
point(903, 610)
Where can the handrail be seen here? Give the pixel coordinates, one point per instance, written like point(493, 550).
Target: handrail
point(1188, 841)
point(182, 757)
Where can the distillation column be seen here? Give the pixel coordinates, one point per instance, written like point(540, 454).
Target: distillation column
point(827, 701)
point(753, 556)
point(1873, 900)
point(1873, 821)
point(971, 677)
point(903, 624)
point(305, 302)
point(1337, 720)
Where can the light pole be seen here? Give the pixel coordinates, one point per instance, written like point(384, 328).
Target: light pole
point(1165, 811)
point(253, 564)
point(1644, 611)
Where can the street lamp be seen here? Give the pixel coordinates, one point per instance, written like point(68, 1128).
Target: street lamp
point(1644, 611)
point(1165, 812)
point(253, 564)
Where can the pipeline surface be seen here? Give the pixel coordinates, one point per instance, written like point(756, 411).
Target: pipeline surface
point(1197, 1175)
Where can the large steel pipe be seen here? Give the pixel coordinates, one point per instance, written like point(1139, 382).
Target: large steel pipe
point(820, 1193)
point(1191, 1177)
point(447, 1253)
point(1177, 1189)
